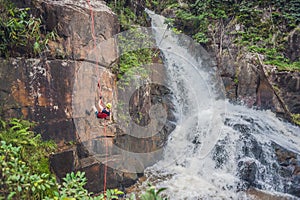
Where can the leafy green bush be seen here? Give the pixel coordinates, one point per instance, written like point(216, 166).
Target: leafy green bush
point(73, 186)
point(24, 167)
point(20, 33)
point(153, 194)
point(18, 180)
point(296, 119)
point(128, 13)
point(33, 150)
point(136, 48)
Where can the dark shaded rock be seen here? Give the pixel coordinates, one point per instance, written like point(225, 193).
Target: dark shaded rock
point(247, 171)
point(63, 163)
point(147, 95)
point(289, 88)
point(220, 155)
point(231, 88)
point(247, 83)
point(262, 165)
point(292, 46)
point(95, 169)
point(265, 94)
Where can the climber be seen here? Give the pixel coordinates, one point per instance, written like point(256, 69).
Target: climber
point(104, 110)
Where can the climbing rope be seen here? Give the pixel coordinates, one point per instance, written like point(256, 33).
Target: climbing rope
point(95, 43)
point(99, 90)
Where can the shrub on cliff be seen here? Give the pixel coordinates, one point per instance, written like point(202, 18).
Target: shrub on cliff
point(20, 33)
point(24, 168)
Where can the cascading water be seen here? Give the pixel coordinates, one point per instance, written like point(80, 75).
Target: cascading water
point(217, 148)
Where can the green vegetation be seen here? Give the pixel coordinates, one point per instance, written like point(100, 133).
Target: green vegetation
point(21, 33)
point(153, 194)
point(263, 24)
point(135, 46)
point(128, 14)
point(260, 26)
point(136, 52)
point(24, 162)
point(24, 169)
point(296, 119)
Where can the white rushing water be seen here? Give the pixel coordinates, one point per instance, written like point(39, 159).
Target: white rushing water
point(213, 137)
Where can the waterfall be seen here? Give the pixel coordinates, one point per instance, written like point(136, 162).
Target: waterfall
point(218, 150)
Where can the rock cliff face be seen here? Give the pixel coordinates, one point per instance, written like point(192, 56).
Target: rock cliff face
point(42, 89)
point(58, 89)
point(252, 83)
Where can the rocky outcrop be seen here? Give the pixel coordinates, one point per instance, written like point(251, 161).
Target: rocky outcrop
point(288, 84)
point(41, 91)
point(261, 165)
point(47, 90)
point(73, 22)
point(58, 89)
point(76, 31)
point(292, 45)
point(246, 79)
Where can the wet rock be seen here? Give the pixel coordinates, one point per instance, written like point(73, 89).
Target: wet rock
point(263, 165)
point(292, 46)
point(220, 155)
point(288, 84)
point(261, 195)
point(295, 186)
point(247, 83)
point(289, 169)
point(247, 171)
point(230, 87)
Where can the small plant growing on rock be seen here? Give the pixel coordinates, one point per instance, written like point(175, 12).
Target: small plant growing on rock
point(153, 194)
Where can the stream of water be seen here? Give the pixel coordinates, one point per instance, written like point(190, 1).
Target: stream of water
point(214, 141)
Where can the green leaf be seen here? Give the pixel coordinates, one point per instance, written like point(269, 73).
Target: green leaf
point(11, 195)
point(19, 188)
